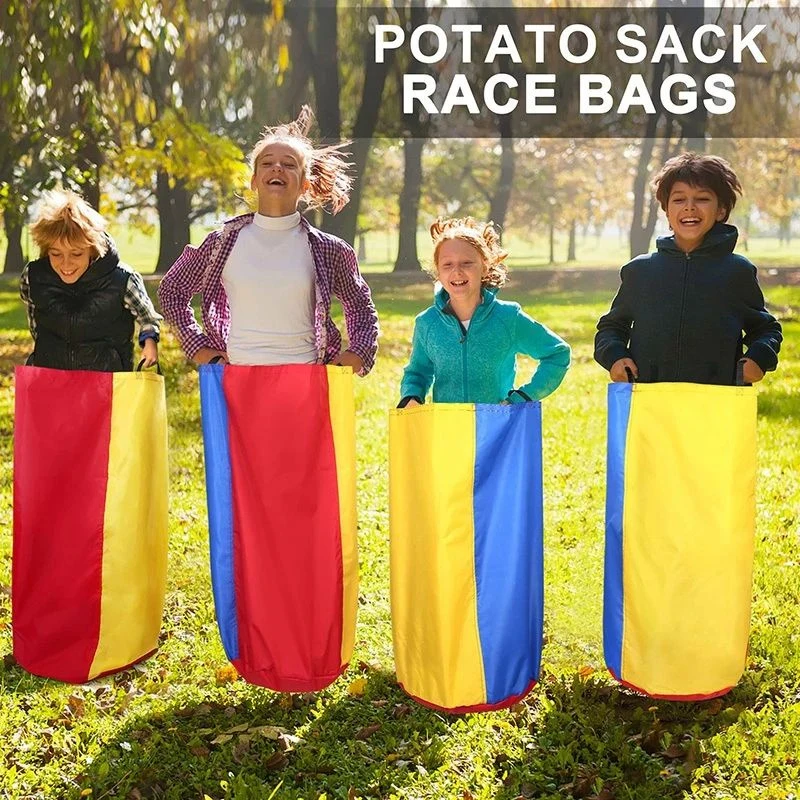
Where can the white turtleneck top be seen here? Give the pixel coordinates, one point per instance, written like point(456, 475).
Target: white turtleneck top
point(269, 280)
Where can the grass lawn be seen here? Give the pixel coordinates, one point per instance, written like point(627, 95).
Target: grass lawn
point(181, 725)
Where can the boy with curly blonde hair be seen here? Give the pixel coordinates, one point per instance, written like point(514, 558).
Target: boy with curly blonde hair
point(81, 300)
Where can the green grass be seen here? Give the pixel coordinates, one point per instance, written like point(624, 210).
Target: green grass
point(177, 727)
point(531, 251)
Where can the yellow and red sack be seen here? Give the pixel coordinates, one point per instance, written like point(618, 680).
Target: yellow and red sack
point(281, 483)
point(680, 521)
point(90, 520)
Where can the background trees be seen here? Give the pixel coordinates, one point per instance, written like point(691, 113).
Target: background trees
point(148, 109)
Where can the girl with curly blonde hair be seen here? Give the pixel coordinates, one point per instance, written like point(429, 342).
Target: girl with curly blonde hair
point(267, 278)
point(465, 345)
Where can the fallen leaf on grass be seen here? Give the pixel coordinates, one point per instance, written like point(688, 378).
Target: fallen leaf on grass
point(366, 732)
point(76, 705)
point(276, 761)
point(238, 728)
point(674, 751)
point(714, 707)
point(527, 789)
point(401, 710)
point(651, 741)
point(200, 751)
point(586, 672)
point(357, 687)
point(226, 674)
point(240, 749)
point(583, 784)
point(288, 741)
point(222, 738)
point(268, 731)
point(379, 703)
point(603, 794)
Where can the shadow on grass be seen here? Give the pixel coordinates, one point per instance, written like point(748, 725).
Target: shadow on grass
point(594, 739)
point(307, 743)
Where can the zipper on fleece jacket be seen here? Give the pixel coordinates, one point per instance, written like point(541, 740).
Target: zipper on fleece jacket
point(464, 333)
point(72, 358)
point(681, 316)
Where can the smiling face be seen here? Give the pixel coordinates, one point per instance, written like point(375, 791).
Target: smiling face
point(69, 261)
point(279, 178)
point(460, 267)
point(692, 212)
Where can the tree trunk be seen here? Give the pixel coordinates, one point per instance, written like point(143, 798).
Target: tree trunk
point(345, 223)
point(642, 227)
point(552, 232)
point(89, 161)
point(502, 195)
point(785, 230)
point(407, 257)
point(301, 56)
point(571, 244)
point(326, 71)
point(173, 204)
point(15, 261)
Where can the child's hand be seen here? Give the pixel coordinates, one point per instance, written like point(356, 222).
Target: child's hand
point(349, 359)
point(617, 372)
point(751, 372)
point(411, 403)
point(149, 352)
point(205, 354)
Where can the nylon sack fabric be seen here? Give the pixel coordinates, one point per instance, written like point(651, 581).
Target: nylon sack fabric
point(465, 506)
point(90, 520)
point(280, 478)
point(680, 522)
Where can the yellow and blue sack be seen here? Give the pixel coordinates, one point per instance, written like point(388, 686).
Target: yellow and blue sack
point(680, 521)
point(465, 506)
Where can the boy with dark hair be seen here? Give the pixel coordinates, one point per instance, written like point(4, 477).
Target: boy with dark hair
point(692, 310)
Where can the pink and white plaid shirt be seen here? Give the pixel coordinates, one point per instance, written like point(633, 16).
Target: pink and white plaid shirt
point(199, 270)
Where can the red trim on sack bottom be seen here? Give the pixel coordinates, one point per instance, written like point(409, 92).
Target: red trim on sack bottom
point(686, 698)
point(509, 701)
point(87, 679)
point(283, 683)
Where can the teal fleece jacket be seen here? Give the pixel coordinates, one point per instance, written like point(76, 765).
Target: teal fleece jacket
point(478, 365)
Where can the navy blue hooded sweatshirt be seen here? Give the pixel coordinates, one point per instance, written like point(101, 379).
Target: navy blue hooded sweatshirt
point(689, 317)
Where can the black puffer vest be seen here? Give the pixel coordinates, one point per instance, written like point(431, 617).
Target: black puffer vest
point(83, 325)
